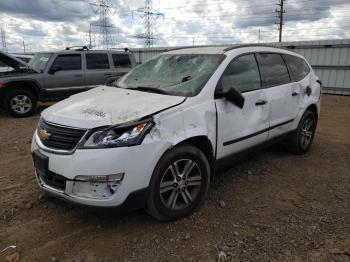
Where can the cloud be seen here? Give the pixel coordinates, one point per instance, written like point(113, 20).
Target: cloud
point(55, 24)
point(44, 10)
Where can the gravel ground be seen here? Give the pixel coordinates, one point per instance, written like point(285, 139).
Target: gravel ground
point(273, 206)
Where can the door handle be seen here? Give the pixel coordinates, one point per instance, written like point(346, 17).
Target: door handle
point(261, 102)
point(295, 94)
point(108, 74)
point(77, 75)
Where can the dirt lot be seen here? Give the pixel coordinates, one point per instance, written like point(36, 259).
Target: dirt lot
point(271, 207)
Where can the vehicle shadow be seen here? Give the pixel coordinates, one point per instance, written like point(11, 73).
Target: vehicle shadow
point(232, 171)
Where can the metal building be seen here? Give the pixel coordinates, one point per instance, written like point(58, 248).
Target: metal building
point(329, 58)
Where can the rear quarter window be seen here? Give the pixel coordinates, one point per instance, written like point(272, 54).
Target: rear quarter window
point(273, 68)
point(298, 68)
point(121, 60)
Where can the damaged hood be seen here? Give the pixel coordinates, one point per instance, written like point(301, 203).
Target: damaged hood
point(13, 62)
point(106, 105)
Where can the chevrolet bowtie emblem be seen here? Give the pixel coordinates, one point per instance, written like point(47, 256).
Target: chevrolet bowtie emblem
point(43, 134)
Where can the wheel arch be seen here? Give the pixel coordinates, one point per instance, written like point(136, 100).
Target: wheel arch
point(313, 108)
point(25, 84)
point(204, 144)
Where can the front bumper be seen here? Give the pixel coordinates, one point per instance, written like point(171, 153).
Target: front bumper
point(137, 163)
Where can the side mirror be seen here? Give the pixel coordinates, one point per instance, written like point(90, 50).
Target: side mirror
point(55, 69)
point(233, 96)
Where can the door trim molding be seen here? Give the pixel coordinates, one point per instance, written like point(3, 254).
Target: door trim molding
point(53, 89)
point(256, 133)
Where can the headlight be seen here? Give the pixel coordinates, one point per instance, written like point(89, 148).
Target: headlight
point(118, 136)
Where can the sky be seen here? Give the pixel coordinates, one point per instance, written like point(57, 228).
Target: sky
point(45, 25)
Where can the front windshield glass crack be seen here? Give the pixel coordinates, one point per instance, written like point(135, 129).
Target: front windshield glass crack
point(179, 74)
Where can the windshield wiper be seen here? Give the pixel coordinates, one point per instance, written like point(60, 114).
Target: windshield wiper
point(150, 89)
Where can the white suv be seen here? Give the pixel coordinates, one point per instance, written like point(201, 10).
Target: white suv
point(153, 139)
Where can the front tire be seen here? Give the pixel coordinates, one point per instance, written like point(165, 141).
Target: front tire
point(20, 102)
point(301, 140)
point(179, 183)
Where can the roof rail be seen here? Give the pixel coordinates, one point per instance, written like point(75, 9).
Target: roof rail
point(228, 48)
point(189, 47)
point(251, 45)
point(78, 48)
point(126, 50)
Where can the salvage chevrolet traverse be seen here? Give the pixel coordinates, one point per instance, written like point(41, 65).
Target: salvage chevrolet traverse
point(152, 140)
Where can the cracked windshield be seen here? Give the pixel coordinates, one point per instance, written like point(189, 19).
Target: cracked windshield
point(180, 75)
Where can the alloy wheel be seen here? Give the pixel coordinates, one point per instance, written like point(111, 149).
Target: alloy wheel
point(21, 104)
point(180, 184)
point(306, 133)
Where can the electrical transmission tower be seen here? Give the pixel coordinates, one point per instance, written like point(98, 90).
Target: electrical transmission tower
point(150, 16)
point(280, 22)
point(3, 39)
point(104, 8)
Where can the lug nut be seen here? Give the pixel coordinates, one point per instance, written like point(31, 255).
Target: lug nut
point(175, 185)
point(178, 178)
point(184, 177)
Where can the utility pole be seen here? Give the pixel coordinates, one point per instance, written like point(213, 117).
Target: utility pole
point(103, 9)
point(90, 42)
point(280, 21)
point(24, 46)
point(150, 16)
point(259, 36)
point(3, 39)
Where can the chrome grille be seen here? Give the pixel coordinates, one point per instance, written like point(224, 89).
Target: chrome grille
point(59, 137)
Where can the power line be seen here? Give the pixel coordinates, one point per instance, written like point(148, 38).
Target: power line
point(253, 31)
point(216, 3)
point(296, 13)
point(215, 35)
point(253, 16)
point(200, 4)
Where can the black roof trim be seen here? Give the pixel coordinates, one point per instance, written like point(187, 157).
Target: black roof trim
point(125, 49)
point(251, 45)
point(77, 48)
point(191, 47)
point(228, 48)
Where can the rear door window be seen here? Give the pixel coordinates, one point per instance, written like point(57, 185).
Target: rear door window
point(68, 62)
point(274, 70)
point(121, 60)
point(242, 74)
point(298, 67)
point(97, 61)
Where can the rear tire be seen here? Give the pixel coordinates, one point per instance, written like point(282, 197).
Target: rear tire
point(179, 183)
point(301, 140)
point(20, 102)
